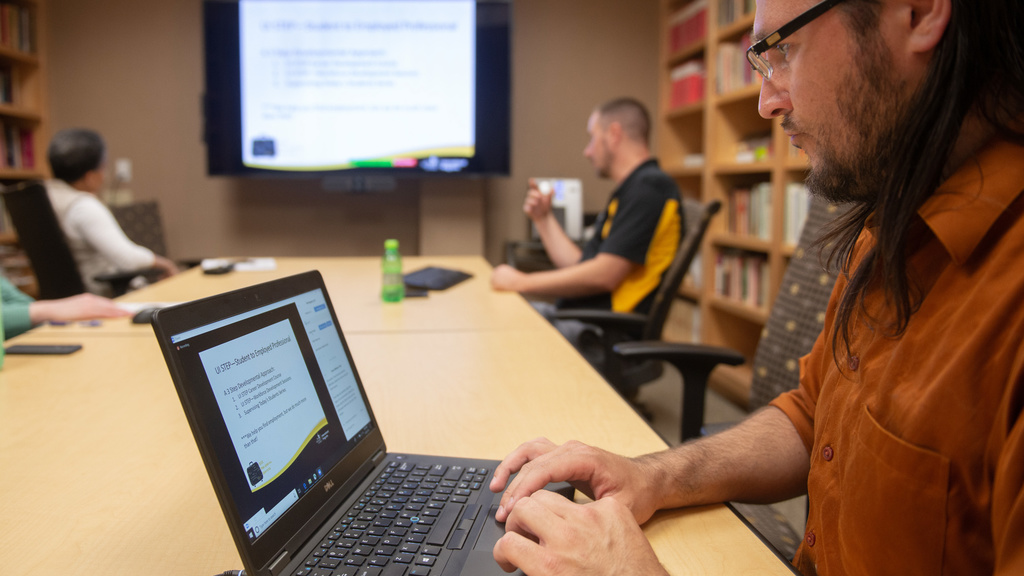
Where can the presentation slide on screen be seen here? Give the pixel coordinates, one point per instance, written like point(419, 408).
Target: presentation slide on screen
point(267, 399)
point(343, 84)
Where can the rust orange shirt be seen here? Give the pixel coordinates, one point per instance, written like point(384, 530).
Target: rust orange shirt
point(917, 445)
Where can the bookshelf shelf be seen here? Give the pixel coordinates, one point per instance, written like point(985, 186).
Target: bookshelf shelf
point(682, 112)
point(723, 168)
point(684, 172)
point(745, 95)
point(723, 128)
point(750, 313)
point(740, 26)
point(685, 53)
point(13, 111)
point(11, 55)
point(7, 174)
point(741, 242)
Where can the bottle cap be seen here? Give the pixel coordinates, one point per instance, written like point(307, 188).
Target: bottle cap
point(391, 244)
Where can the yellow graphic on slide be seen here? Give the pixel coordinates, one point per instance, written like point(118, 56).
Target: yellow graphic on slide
point(312, 434)
point(392, 161)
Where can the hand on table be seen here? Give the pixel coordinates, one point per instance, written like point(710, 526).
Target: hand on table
point(506, 278)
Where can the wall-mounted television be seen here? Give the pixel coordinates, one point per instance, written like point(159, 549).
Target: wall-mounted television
point(349, 87)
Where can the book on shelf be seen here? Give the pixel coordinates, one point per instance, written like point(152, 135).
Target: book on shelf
point(732, 68)
point(742, 276)
point(687, 81)
point(693, 160)
point(17, 147)
point(730, 11)
point(798, 203)
point(16, 27)
point(750, 211)
point(757, 148)
point(6, 85)
point(688, 25)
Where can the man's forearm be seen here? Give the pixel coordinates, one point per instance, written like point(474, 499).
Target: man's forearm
point(761, 459)
point(598, 275)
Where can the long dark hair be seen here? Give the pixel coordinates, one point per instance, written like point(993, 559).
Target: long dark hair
point(977, 68)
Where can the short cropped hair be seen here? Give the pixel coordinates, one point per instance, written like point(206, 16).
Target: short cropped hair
point(631, 114)
point(74, 153)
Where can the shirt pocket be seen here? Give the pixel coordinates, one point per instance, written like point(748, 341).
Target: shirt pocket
point(893, 516)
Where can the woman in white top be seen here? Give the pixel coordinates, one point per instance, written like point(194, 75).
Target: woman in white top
point(99, 245)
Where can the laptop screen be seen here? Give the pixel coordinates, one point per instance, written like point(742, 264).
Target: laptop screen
point(279, 398)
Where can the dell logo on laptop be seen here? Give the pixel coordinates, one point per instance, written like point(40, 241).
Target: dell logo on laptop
point(329, 485)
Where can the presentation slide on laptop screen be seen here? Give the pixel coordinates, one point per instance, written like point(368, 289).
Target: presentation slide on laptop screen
point(339, 84)
point(282, 401)
point(267, 398)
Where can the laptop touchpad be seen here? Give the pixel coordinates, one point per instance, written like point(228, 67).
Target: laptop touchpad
point(481, 559)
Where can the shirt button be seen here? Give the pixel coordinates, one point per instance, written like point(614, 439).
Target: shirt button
point(853, 362)
point(827, 453)
point(810, 538)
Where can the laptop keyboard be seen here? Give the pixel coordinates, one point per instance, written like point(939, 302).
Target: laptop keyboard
point(401, 524)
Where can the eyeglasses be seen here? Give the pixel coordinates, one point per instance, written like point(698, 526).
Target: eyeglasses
point(756, 53)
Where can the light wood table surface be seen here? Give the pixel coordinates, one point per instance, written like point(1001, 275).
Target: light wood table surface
point(100, 473)
point(354, 287)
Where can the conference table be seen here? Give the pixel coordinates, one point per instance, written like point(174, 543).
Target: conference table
point(99, 473)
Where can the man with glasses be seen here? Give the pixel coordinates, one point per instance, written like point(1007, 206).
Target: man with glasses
point(906, 432)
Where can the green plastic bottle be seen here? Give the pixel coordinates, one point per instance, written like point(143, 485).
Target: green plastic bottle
point(392, 287)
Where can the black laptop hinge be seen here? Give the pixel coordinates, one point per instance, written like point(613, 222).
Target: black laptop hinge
point(281, 558)
point(378, 457)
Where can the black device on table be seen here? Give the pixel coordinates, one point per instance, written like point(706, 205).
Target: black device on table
point(434, 278)
point(42, 348)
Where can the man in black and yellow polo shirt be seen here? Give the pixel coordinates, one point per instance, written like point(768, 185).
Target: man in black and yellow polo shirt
point(636, 236)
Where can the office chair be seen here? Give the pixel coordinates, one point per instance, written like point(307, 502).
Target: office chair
point(142, 224)
point(40, 235)
point(625, 374)
point(795, 321)
point(793, 325)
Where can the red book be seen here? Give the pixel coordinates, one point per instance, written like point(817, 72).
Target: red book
point(28, 154)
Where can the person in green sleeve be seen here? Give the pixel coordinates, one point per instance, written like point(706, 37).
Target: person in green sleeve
point(21, 311)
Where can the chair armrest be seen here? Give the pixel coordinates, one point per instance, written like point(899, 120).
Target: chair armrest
point(627, 322)
point(126, 275)
point(694, 362)
point(679, 353)
point(119, 281)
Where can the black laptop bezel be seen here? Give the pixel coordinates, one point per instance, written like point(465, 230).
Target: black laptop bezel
point(293, 529)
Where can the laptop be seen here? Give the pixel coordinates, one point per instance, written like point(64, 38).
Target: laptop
point(295, 455)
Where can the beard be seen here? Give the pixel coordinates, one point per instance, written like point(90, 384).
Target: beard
point(873, 112)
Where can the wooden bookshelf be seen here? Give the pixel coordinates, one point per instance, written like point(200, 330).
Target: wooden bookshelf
point(23, 104)
point(719, 127)
point(24, 115)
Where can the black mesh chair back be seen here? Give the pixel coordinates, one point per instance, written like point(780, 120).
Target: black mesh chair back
point(698, 217)
point(42, 239)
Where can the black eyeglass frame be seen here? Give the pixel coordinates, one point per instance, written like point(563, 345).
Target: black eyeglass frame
point(754, 53)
